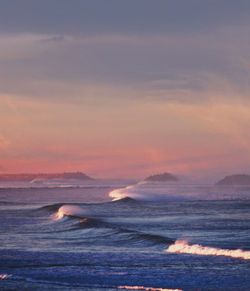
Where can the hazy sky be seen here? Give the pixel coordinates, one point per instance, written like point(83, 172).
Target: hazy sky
point(125, 88)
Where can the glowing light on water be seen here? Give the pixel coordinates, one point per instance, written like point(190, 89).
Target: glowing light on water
point(182, 247)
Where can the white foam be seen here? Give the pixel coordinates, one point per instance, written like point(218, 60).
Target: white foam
point(4, 276)
point(182, 247)
point(121, 193)
point(69, 210)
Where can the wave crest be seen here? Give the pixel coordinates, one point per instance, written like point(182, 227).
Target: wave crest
point(119, 233)
point(4, 276)
point(69, 210)
point(182, 247)
point(163, 191)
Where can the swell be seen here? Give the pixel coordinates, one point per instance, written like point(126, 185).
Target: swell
point(182, 247)
point(54, 207)
point(81, 221)
point(149, 192)
point(156, 239)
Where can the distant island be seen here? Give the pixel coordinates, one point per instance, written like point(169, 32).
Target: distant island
point(234, 180)
point(45, 176)
point(164, 177)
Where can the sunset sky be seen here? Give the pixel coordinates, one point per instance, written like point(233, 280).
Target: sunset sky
point(125, 88)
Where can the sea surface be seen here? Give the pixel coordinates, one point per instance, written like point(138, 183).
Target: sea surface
point(115, 236)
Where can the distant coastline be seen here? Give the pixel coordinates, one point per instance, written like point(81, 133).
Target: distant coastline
point(45, 176)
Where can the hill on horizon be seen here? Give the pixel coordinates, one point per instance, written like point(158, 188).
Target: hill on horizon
point(163, 177)
point(236, 179)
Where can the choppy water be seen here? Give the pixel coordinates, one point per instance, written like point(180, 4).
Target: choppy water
point(78, 238)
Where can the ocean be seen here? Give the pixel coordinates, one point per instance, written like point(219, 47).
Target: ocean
point(115, 236)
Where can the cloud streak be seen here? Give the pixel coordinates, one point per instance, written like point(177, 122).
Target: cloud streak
point(174, 67)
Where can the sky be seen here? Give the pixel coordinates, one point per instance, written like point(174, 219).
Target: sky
point(125, 88)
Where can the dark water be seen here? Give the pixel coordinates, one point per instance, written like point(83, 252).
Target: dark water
point(78, 239)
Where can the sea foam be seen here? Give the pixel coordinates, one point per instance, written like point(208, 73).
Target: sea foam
point(4, 276)
point(69, 210)
point(183, 247)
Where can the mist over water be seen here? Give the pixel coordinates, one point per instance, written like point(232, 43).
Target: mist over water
point(177, 191)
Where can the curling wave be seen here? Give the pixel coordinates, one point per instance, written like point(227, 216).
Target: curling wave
point(153, 191)
point(69, 210)
point(162, 191)
point(182, 247)
point(120, 233)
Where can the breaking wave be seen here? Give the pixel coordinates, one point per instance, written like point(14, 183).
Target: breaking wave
point(182, 247)
point(118, 232)
point(4, 276)
point(145, 192)
point(69, 210)
point(162, 191)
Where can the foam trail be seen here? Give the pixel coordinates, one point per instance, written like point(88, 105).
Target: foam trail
point(68, 210)
point(182, 247)
point(146, 288)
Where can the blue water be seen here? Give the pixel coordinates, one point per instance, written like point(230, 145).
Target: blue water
point(99, 244)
